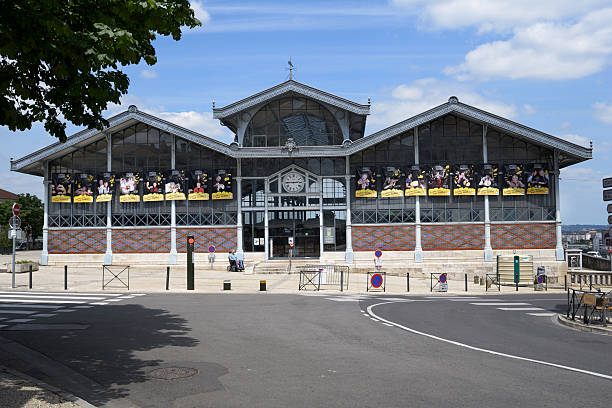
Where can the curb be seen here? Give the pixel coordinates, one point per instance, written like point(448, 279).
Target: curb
point(561, 319)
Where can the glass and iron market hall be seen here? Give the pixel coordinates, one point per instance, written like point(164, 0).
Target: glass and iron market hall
point(454, 181)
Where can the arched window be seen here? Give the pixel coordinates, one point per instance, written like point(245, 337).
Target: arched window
point(307, 122)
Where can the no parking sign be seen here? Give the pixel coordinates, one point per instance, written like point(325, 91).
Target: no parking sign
point(376, 281)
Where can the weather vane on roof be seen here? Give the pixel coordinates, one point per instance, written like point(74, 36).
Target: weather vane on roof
point(290, 68)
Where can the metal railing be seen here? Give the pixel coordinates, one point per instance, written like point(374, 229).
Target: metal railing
point(587, 305)
point(590, 279)
point(315, 277)
point(490, 280)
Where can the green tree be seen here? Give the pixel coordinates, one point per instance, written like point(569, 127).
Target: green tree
point(62, 57)
point(32, 214)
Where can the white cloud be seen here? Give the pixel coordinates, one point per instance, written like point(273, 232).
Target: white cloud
point(493, 15)
point(580, 189)
point(148, 74)
point(577, 139)
point(544, 50)
point(603, 111)
point(424, 94)
point(528, 109)
point(200, 13)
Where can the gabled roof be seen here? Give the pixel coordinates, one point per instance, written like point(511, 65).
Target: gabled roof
point(286, 87)
point(7, 195)
point(32, 163)
point(572, 153)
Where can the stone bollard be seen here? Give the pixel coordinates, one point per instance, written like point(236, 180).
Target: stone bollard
point(482, 281)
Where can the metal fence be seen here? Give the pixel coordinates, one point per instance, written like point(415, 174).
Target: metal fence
point(317, 277)
point(589, 305)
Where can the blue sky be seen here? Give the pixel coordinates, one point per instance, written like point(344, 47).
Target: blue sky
point(546, 64)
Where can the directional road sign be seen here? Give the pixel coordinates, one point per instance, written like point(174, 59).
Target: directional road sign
point(607, 195)
point(607, 182)
point(16, 209)
point(376, 280)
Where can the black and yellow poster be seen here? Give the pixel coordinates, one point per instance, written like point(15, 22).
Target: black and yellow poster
point(416, 182)
point(537, 180)
point(221, 188)
point(129, 188)
point(392, 184)
point(514, 180)
point(61, 188)
point(83, 188)
point(175, 185)
point(463, 180)
point(153, 187)
point(488, 185)
point(438, 181)
point(366, 183)
point(105, 184)
point(198, 185)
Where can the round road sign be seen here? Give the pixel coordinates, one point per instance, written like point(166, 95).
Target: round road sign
point(378, 253)
point(16, 209)
point(15, 222)
point(376, 280)
point(211, 249)
point(443, 278)
point(540, 278)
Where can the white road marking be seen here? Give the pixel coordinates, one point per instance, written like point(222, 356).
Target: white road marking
point(113, 300)
point(496, 353)
point(339, 299)
point(391, 298)
point(44, 315)
point(40, 301)
point(19, 320)
point(451, 297)
point(387, 324)
point(62, 293)
point(371, 318)
point(471, 300)
point(519, 308)
point(2, 325)
point(99, 303)
point(82, 307)
point(542, 314)
point(67, 297)
point(65, 310)
point(500, 304)
point(32, 306)
point(25, 312)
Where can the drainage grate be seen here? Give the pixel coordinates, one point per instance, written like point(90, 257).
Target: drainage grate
point(172, 373)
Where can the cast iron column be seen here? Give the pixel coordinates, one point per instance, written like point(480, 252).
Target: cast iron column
point(559, 246)
point(44, 256)
point(349, 256)
point(239, 249)
point(108, 255)
point(321, 224)
point(266, 235)
point(488, 251)
point(418, 249)
point(173, 252)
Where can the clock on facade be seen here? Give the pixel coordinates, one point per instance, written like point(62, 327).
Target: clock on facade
point(293, 182)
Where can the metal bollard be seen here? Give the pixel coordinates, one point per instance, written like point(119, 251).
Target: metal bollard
point(407, 281)
point(590, 282)
point(341, 280)
point(30, 271)
point(466, 282)
point(262, 285)
point(65, 277)
point(565, 282)
point(167, 278)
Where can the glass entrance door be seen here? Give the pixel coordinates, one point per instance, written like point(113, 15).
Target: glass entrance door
point(303, 225)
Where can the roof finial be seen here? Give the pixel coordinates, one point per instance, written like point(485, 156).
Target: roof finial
point(291, 68)
point(591, 144)
point(369, 101)
point(213, 104)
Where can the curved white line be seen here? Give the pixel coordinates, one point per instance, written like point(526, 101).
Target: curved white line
point(496, 353)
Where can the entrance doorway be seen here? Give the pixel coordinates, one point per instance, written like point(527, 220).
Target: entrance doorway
point(303, 225)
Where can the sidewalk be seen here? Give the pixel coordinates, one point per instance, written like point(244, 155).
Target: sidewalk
point(152, 279)
point(19, 390)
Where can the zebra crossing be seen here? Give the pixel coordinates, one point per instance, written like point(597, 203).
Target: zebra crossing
point(18, 308)
point(516, 307)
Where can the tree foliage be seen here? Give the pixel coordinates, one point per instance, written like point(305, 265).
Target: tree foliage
point(31, 215)
point(63, 57)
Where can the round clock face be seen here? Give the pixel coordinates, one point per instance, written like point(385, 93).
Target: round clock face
point(293, 182)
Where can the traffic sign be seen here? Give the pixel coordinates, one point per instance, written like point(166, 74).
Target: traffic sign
point(378, 253)
point(15, 222)
point(211, 249)
point(607, 182)
point(540, 278)
point(607, 195)
point(443, 278)
point(291, 242)
point(16, 209)
point(376, 280)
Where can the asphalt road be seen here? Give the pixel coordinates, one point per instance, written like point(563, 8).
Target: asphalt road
point(310, 351)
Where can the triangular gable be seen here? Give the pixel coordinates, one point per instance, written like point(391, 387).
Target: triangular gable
point(116, 123)
point(286, 87)
point(579, 153)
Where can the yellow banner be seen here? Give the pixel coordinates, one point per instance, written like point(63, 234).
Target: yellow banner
point(464, 191)
point(514, 191)
point(537, 190)
point(222, 195)
point(439, 192)
point(488, 191)
point(175, 196)
point(83, 199)
point(391, 193)
point(129, 198)
point(365, 194)
point(415, 192)
point(60, 199)
point(198, 196)
point(153, 197)
point(104, 198)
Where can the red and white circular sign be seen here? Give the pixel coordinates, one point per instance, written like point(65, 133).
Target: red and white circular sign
point(16, 209)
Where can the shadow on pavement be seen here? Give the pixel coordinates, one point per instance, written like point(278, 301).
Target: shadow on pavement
point(98, 364)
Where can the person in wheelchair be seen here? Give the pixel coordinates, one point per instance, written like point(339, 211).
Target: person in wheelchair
point(232, 261)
